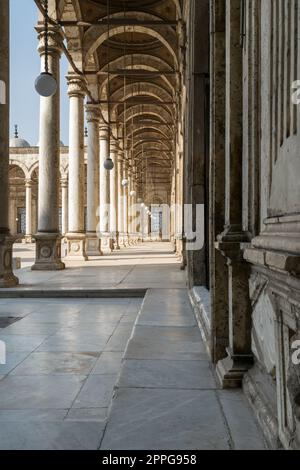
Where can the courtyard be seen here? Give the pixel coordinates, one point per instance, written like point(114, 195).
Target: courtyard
point(113, 373)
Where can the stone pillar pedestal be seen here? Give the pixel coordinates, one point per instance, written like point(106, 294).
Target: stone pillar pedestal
point(76, 247)
point(7, 277)
point(93, 244)
point(231, 370)
point(48, 252)
point(107, 242)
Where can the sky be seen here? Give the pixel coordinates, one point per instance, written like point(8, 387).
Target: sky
point(25, 67)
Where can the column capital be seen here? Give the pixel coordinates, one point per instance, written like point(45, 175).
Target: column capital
point(55, 40)
point(28, 183)
point(92, 112)
point(104, 131)
point(76, 85)
point(114, 147)
point(64, 182)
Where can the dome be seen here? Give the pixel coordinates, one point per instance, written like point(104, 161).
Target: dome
point(17, 142)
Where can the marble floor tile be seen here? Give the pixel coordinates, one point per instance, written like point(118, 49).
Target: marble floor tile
point(108, 363)
point(12, 360)
point(66, 435)
point(87, 414)
point(167, 374)
point(25, 328)
point(32, 415)
point(44, 391)
point(244, 429)
point(54, 363)
point(96, 392)
point(119, 339)
point(18, 343)
point(165, 420)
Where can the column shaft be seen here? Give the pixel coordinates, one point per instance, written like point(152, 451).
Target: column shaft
point(28, 205)
point(48, 239)
point(76, 236)
point(93, 241)
point(7, 278)
point(64, 206)
point(125, 204)
point(106, 241)
point(114, 192)
point(231, 370)
point(120, 200)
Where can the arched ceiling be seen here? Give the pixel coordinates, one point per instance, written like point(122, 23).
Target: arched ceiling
point(128, 52)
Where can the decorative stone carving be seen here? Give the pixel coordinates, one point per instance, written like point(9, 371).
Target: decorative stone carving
point(76, 247)
point(48, 252)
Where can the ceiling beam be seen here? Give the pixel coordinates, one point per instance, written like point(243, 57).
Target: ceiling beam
point(125, 21)
point(135, 72)
point(137, 102)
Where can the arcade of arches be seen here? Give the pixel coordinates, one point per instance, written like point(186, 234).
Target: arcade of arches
point(191, 100)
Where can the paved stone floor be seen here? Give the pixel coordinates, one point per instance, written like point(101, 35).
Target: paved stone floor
point(114, 373)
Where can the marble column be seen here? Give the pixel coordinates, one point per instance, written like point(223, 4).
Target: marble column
point(131, 211)
point(7, 278)
point(28, 208)
point(48, 238)
point(231, 370)
point(125, 206)
point(64, 206)
point(114, 192)
point(120, 200)
point(76, 239)
point(218, 263)
point(93, 241)
point(106, 241)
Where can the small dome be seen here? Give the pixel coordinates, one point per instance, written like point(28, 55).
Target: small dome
point(17, 142)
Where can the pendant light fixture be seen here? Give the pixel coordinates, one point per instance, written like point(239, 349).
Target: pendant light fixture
point(45, 84)
point(108, 163)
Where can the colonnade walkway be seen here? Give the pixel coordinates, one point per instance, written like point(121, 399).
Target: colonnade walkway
point(113, 373)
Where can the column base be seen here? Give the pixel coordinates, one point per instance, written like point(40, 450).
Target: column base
point(115, 240)
point(231, 370)
point(130, 240)
point(29, 239)
point(7, 277)
point(93, 245)
point(125, 239)
point(121, 241)
point(107, 242)
point(48, 252)
point(76, 247)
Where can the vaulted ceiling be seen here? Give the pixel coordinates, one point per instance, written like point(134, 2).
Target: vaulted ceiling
point(129, 53)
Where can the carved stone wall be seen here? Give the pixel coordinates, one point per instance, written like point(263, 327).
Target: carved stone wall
point(272, 385)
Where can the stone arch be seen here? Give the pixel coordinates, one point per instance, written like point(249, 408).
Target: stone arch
point(134, 111)
point(96, 35)
point(33, 168)
point(146, 62)
point(22, 166)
